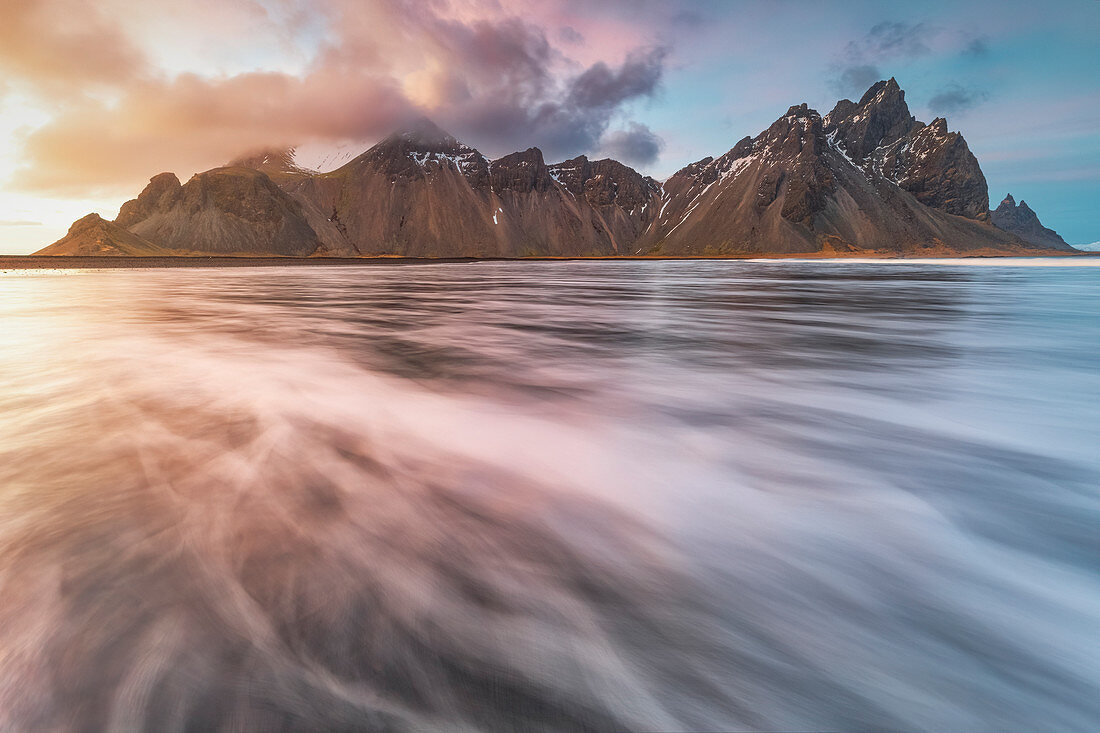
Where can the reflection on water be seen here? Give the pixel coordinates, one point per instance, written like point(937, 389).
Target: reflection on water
point(553, 496)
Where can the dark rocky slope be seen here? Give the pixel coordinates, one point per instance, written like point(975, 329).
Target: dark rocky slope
point(795, 189)
point(1024, 223)
point(880, 136)
point(421, 192)
point(231, 210)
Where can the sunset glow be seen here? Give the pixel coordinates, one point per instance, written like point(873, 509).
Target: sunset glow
point(549, 366)
point(96, 97)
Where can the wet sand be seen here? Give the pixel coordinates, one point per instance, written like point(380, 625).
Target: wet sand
point(61, 262)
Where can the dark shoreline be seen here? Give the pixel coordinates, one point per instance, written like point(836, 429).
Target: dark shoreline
point(64, 262)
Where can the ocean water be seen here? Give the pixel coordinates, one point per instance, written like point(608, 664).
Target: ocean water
point(648, 496)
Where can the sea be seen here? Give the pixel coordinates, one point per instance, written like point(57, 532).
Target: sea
point(741, 495)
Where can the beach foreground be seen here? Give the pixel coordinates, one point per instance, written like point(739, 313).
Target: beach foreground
point(663, 495)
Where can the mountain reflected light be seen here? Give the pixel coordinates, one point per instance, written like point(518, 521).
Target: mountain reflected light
point(551, 496)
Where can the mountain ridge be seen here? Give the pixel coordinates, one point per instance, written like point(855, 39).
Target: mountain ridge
point(1024, 223)
point(865, 178)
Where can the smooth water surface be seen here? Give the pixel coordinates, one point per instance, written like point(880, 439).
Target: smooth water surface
point(551, 496)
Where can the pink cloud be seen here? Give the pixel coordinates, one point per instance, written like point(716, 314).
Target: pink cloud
point(495, 73)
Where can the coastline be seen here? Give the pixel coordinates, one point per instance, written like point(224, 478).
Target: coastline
point(67, 262)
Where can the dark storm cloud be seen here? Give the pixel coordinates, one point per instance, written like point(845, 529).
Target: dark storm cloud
point(601, 86)
point(562, 121)
point(956, 99)
point(636, 145)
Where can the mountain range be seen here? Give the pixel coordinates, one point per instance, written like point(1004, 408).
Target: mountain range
point(867, 178)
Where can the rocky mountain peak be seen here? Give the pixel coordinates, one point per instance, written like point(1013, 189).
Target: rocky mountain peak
point(572, 173)
point(798, 132)
point(1020, 220)
point(162, 191)
point(604, 182)
point(801, 110)
point(883, 92)
point(523, 172)
point(419, 149)
point(881, 118)
point(881, 137)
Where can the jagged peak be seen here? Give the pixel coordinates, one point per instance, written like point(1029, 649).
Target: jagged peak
point(939, 125)
point(420, 144)
point(530, 155)
point(571, 163)
point(800, 121)
point(1009, 201)
point(802, 110)
point(881, 90)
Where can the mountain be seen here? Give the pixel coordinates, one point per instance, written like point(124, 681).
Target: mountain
point(93, 235)
point(880, 136)
point(230, 210)
point(851, 182)
point(420, 192)
point(1024, 223)
point(866, 178)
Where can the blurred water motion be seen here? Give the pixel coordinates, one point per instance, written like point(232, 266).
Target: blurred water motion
point(553, 496)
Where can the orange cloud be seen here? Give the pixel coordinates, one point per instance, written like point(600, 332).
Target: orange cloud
point(116, 116)
point(64, 44)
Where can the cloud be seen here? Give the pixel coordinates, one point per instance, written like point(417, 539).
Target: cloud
point(855, 79)
point(895, 40)
point(977, 46)
point(19, 223)
point(857, 66)
point(602, 86)
point(191, 123)
point(569, 34)
point(886, 44)
point(564, 119)
point(495, 79)
point(64, 44)
point(956, 99)
point(636, 145)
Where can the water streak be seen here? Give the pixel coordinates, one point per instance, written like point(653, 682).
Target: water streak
point(552, 496)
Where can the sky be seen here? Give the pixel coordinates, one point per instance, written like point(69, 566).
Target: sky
point(97, 96)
